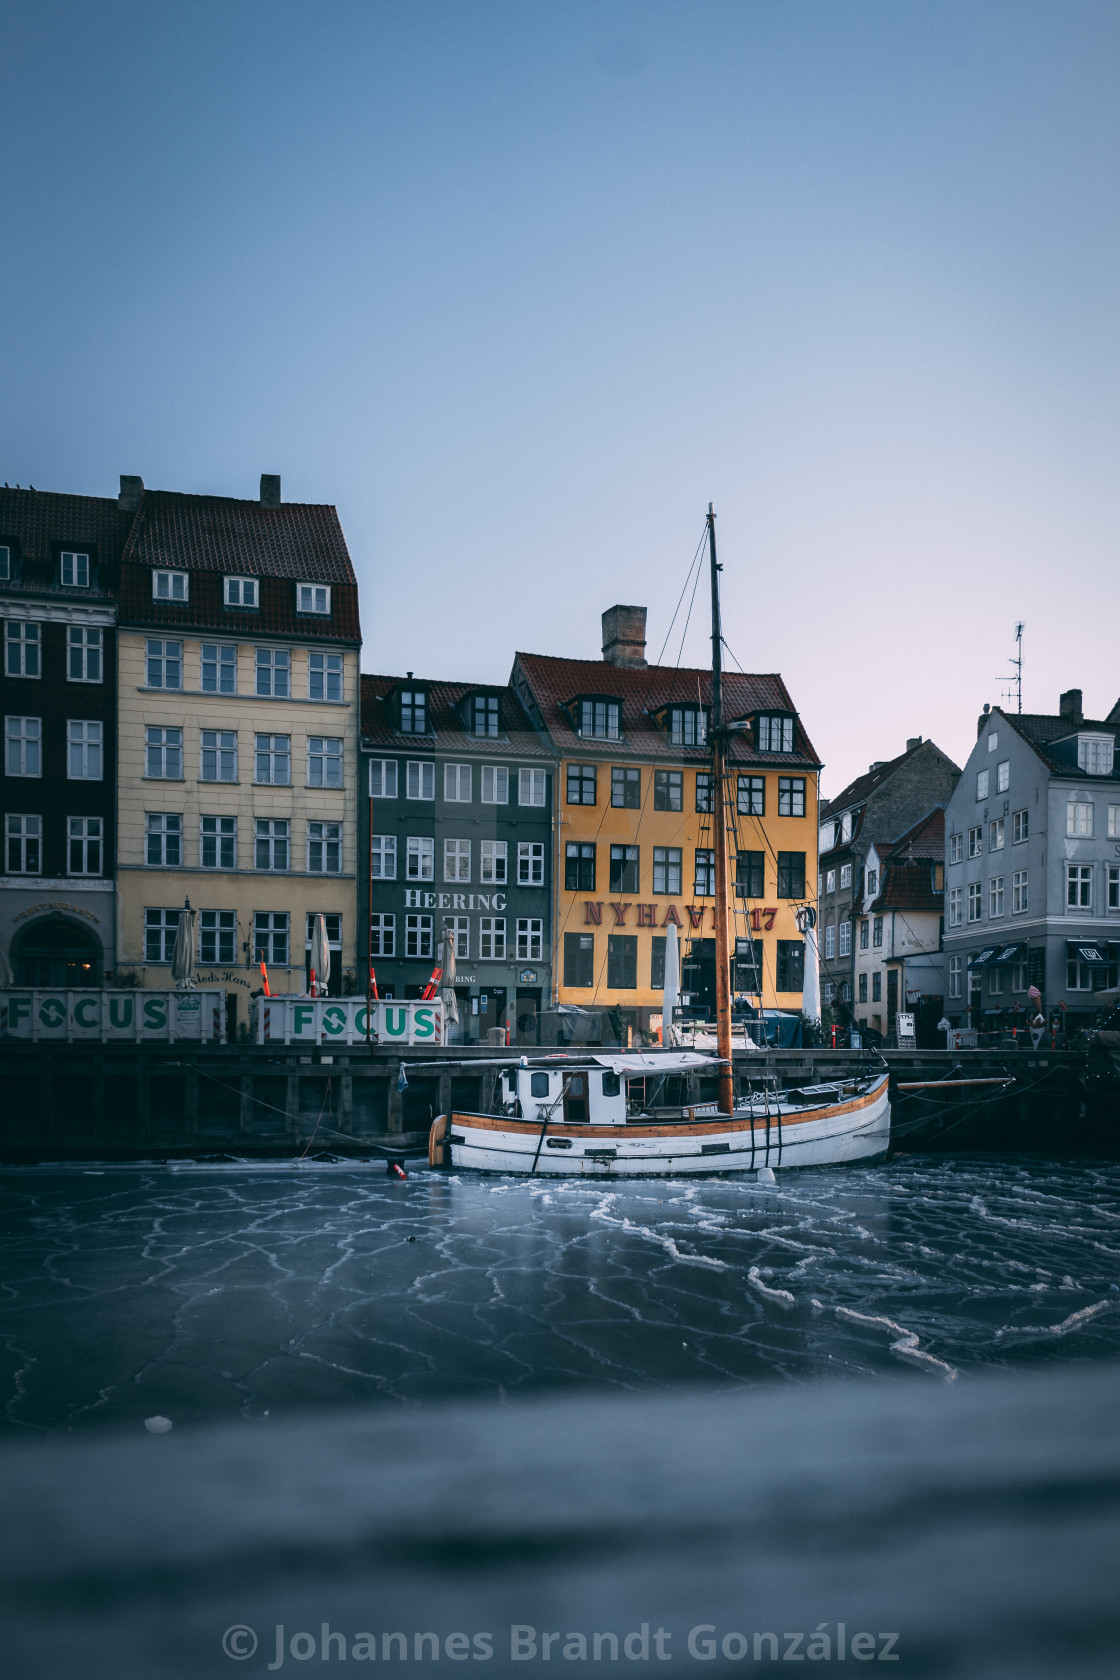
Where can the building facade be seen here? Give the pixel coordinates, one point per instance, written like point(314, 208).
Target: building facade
point(1033, 866)
point(456, 823)
point(238, 708)
point(59, 573)
point(634, 846)
point(898, 930)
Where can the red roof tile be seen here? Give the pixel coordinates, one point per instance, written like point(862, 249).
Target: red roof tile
point(36, 519)
point(518, 737)
point(908, 886)
point(925, 840)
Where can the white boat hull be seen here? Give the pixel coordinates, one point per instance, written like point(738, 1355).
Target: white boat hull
point(853, 1130)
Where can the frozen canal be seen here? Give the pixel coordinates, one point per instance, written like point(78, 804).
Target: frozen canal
point(210, 1292)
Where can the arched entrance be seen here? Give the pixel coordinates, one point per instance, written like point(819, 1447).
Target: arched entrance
point(56, 953)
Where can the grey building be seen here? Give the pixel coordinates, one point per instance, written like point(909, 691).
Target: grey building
point(874, 810)
point(1032, 866)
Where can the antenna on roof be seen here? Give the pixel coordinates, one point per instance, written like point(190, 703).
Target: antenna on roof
point(1013, 686)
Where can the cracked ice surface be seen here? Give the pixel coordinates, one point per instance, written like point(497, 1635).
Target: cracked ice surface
point(202, 1292)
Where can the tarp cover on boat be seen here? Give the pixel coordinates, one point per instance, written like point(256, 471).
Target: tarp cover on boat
point(655, 1061)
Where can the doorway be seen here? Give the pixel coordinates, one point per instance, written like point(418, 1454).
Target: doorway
point(528, 1016)
point(491, 1009)
point(575, 1098)
point(56, 953)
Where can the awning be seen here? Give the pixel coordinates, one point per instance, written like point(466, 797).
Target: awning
point(979, 959)
point(1087, 951)
point(1011, 953)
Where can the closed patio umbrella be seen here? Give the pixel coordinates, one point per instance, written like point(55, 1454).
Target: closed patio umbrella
point(320, 957)
point(672, 988)
point(811, 979)
point(182, 957)
point(447, 991)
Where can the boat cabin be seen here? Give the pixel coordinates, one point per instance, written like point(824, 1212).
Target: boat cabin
point(597, 1090)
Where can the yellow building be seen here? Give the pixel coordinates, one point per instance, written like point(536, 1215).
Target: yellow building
point(238, 728)
point(635, 846)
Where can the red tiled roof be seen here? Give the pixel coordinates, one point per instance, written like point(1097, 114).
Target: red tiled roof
point(643, 690)
point(518, 738)
point(35, 519)
point(925, 840)
point(908, 886)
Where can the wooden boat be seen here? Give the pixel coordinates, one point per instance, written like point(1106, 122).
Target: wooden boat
point(595, 1115)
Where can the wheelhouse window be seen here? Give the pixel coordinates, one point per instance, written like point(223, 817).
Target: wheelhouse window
point(74, 569)
point(313, 598)
point(84, 654)
point(688, 726)
point(775, 734)
point(486, 716)
point(599, 719)
point(170, 586)
point(241, 592)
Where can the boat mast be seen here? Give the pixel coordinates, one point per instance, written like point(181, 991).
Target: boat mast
point(726, 1098)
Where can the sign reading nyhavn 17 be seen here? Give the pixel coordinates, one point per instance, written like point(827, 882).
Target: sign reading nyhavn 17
point(761, 919)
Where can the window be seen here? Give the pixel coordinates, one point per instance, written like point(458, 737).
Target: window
point(274, 672)
point(1019, 900)
point(791, 802)
point(83, 838)
point(22, 650)
point(996, 835)
point(622, 962)
point(579, 866)
point(861, 989)
point(877, 932)
point(493, 861)
point(164, 840)
point(272, 843)
point(751, 801)
point(954, 977)
point(492, 938)
point(270, 937)
point(872, 881)
point(24, 850)
point(457, 783)
point(414, 711)
point(624, 869)
point(599, 719)
point(456, 860)
point(459, 927)
point(846, 876)
point(83, 751)
point(704, 884)
point(956, 906)
point(1114, 822)
point(579, 959)
point(775, 735)
point(217, 936)
point(982, 784)
point(383, 857)
point(160, 928)
point(667, 870)
point(1019, 975)
point(531, 786)
point(494, 784)
point(324, 848)
point(382, 935)
point(1003, 776)
point(995, 896)
point(581, 784)
point(170, 586)
point(877, 987)
point(688, 727)
point(1079, 975)
point(324, 761)
point(485, 715)
point(1112, 878)
point(420, 780)
point(657, 963)
point(703, 790)
point(420, 858)
point(1094, 754)
point(791, 875)
point(830, 880)
point(791, 966)
point(956, 847)
point(864, 934)
point(165, 664)
point(83, 655)
point(218, 668)
point(23, 746)
point(845, 939)
point(324, 676)
point(975, 841)
point(1019, 828)
point(313, 598)
point(383, 778)
point(164, 758)
point(1079, 886)
point(993, 741)
point(241, 592)
point(274, 760)
point(975, 905)
point(5, 564)
point(668, 790)
point(830, 941)
point(530, 936)
point(218, 755)
point(530, 863)
point(750, 875)
point(218, 842)
point(74, 570)
point(1079, 819)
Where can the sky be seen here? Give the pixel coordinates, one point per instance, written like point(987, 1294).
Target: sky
point(522, 287)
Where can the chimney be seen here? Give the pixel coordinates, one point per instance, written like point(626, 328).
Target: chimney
point(1069, 705)
point(270, 489)
point(982, 720)
point(624, 636)
point(876, 764)
point(131, 491)
point(914, 741)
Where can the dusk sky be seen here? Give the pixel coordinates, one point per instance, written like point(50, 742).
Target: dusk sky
point(521, 287)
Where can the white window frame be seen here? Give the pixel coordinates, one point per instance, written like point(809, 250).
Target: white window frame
point(23, 649)
point(982, 777)
point(956, 906)
point(995, 897)
point(160, 929)
point(275, 759)
point(420, 857)
point(85, 833)
point(167, 746)
point(325, 673)
point(975, 901)
point(163, 663)
point(214, 839)
point(383, 778)
point(872, 883)
point(1112, 886)
point(80, 560)
point(846, 875)
point(222, 656)
point(457, 784)
point(456, 860)
point(845, 939)
point(272, 673)
point(236, 587)
point(163, 840)
point(85, 646)
point(494, 784)
point(997, 834)
point(1020, 827)
point(1020, 896)
point(420, 779)
point(1095, 754)
point(492, 939)
point(275, 835)
point(976, 840)
point(830, 941)
point(324, 847)
point(460, 929)
point(530, 863)
point(530, 783)
point(1114, 822)
point(1079, 819)
point(830, 880)
point(23, 831)
point(313, 600)
point(1003, 775)
point(5, 563)
point(383, 857)
point(221, 746)
point(23, 746)
point(1079, 881)
point(324, 761)
point(171, 586)
point(956, 967)
point(993, 741)
point(270, 928)
point(417, 935)
point(382, 934)
point(217, 929)
point(530, 938)
point(956, 848)
point(493, 862)
point(85, 750)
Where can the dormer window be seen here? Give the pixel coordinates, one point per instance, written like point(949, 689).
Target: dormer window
point(485, 715)
point(74, 569)
point(1095, 754)
point(414, 711)
point(241, 592)
point(688, 726)
point(775, 734)
point(313, 598)
point(5, 564)
point(599, 719)
point(170, 586)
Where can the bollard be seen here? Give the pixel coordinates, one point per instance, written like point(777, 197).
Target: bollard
point(834, 1035)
